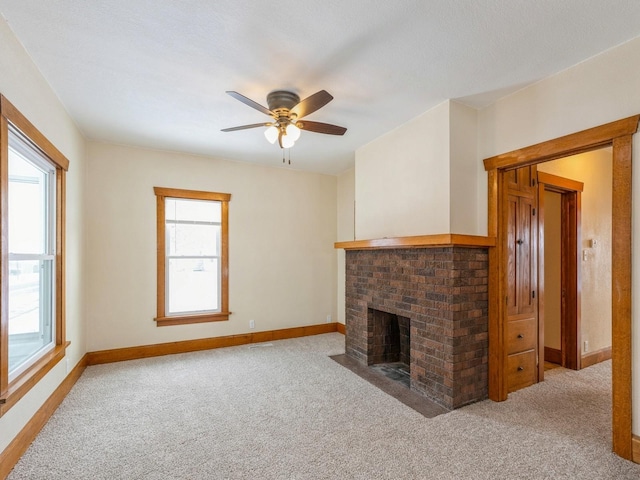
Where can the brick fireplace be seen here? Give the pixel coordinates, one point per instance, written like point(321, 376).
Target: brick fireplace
point(426, 307)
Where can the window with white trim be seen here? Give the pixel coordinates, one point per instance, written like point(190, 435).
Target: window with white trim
point(32, 235)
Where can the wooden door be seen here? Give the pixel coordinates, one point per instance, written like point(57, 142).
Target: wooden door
point(522, 279)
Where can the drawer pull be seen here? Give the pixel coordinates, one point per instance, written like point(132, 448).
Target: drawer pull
point(520, 368)
point(520, 335)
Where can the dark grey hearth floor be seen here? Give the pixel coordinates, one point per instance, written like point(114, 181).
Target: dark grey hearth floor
point(380, 377)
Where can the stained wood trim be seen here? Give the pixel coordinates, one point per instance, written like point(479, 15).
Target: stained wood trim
point(498, 386)
point(61, 233)
point(598, 356)
point(189, 319)
point(421, 241)
point(4, 256)
point(341, 328)
point(619, 135)
point(552, 355)
point(13, 115)
point(162, 320)
point(621, 303)
point(161, 248)
point(191, 194)
point(572, 144)
point(636, 448)
point(11, 392)
point(10, 455)
point(561, 182)
point(145, 351)
point(571, 273)
point(19, 387)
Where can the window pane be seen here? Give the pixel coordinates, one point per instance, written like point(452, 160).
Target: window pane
point(30, 309)
point(27, 211)
point(192, 210)
point(193, 285)
point(193, 240)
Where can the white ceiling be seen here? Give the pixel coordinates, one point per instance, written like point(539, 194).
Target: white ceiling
point(154, 73)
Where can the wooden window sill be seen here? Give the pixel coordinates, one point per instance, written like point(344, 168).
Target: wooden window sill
point(189, 319)
point(19, 387)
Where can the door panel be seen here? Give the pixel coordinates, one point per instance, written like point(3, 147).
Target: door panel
point(522, 333)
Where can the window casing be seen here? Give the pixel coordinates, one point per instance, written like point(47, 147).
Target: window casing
point(32, 276)
point(192, 236)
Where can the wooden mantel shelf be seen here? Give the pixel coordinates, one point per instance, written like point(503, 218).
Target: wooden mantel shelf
point(420, 241)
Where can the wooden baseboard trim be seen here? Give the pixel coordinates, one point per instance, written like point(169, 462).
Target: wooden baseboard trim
point(552, 355)
point(10, 456)
point(341, 328)
point(635, 443)
point(598, 356)
point(145, 351)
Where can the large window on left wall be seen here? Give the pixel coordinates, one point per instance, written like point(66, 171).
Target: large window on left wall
point(32, 207)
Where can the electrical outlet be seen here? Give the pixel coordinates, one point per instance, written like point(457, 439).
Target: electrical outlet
point(586, 346)
point(252, 324)
point(328, 318)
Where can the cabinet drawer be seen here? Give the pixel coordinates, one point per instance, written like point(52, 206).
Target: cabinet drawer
point(521, 370)
point(522, 335)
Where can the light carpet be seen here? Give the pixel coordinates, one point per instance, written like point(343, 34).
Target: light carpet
point(289, 412)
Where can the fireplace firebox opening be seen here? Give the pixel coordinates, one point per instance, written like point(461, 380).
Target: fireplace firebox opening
point(390, 344)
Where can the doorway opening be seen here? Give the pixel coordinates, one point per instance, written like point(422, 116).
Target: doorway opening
point(560, 202)
point(618, 135)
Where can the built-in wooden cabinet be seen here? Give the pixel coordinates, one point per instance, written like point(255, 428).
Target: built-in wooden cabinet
point(522, 281)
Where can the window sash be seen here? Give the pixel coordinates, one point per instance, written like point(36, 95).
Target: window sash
point(35, 299)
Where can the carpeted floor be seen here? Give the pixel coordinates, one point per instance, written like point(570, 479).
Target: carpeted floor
point(289, 412)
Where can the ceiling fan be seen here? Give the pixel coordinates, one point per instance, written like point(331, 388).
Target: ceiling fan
point(287, 111)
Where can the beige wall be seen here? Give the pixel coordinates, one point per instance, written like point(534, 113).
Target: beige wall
point(282, 262)
point(402, 179)
point(594, 170)
point(463, 148)
point(421, 178)
point(594, 92)
point(24, 87)
point(552, 270)
point(346, 219)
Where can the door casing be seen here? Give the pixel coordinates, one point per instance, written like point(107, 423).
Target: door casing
point(571, 191)
point(618, 135)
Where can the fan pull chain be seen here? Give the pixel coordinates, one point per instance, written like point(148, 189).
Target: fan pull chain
point(289, 156)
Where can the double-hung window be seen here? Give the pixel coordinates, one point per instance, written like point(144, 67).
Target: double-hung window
point(32, 212)
point(192, 256)
point(32, 271)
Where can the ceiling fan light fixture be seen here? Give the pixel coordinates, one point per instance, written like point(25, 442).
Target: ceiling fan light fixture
point(293, 132)
point(271, 134)
point(287, 141)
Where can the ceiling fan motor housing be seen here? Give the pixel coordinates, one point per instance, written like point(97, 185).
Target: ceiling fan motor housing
point(281, 99)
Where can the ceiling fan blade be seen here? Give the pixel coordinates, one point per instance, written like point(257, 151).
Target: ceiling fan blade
point(320, 127)
point(250, 103)
point(312, 103)
point(244, 127)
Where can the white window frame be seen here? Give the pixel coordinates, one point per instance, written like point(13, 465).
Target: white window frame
point(30, 154)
